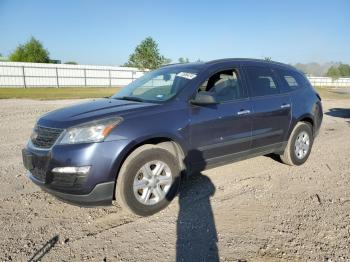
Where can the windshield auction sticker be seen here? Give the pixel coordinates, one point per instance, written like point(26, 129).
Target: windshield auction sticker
point(186, 75)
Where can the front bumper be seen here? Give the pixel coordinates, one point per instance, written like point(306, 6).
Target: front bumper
point(94, 188)
point(101, 195)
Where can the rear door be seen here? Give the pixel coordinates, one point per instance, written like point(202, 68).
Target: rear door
point(271, 114)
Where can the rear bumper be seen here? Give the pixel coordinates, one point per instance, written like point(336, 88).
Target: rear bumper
point(100, 195)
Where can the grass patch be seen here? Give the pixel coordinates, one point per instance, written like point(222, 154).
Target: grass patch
point(329, 93)
point(97, 92)
point(57, 93)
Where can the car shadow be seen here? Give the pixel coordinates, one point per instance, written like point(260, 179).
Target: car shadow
point(339, 112)
point(274, 157)
point(196, 231)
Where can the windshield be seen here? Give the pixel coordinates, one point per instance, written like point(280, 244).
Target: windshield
point(157, 86)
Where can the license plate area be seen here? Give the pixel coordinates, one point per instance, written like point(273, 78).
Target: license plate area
point(37, 165)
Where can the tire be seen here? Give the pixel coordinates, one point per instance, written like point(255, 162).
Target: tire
point(137, 170)
point(301, 131)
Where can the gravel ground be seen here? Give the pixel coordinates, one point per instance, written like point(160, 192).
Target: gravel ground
point(254, 210)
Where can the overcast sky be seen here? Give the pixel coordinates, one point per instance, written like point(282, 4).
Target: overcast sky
point(106, 32)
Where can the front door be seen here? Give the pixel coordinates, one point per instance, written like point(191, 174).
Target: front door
point(223, 129)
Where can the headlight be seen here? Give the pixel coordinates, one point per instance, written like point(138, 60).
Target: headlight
point(95, 131)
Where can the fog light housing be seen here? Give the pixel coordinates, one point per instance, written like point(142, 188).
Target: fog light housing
point(83, 170)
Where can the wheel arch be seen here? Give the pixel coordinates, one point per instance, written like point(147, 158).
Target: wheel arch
point(167, 142)
point(308, 118)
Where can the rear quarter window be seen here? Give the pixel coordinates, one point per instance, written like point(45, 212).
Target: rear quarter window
point(292, 80)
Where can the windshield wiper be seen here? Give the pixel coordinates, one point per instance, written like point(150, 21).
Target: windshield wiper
point(130, 98)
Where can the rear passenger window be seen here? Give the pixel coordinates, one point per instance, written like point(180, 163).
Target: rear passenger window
point(262, 81)
point(292, 80)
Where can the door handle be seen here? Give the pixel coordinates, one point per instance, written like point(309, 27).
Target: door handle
point(243, 112)
point(285, 106)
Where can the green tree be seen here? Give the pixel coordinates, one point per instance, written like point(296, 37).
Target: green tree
point(71, 63)
point(32, 51)
point(147, 56)
point(184, 60)
point(344, 70)
point(340, 70)
point(333, 72)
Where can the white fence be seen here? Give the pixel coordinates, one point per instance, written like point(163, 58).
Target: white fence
point(329, 82)
point(14, 74)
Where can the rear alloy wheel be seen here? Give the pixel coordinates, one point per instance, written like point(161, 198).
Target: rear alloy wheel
point(299, 145)
point(148, 180)
point(302, 145)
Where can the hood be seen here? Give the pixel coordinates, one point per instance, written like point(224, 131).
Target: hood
point(89, 111)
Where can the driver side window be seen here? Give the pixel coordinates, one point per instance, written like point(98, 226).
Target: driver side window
point(225, 85)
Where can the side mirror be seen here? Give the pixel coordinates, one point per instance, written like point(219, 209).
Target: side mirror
point(204, 98)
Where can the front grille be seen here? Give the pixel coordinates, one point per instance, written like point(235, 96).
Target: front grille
point(45, 137)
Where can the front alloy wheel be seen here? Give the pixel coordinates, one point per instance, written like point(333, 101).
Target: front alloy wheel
point(148, 180)
point(152, 182)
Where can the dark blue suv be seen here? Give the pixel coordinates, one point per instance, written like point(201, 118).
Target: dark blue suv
point(179, 119)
